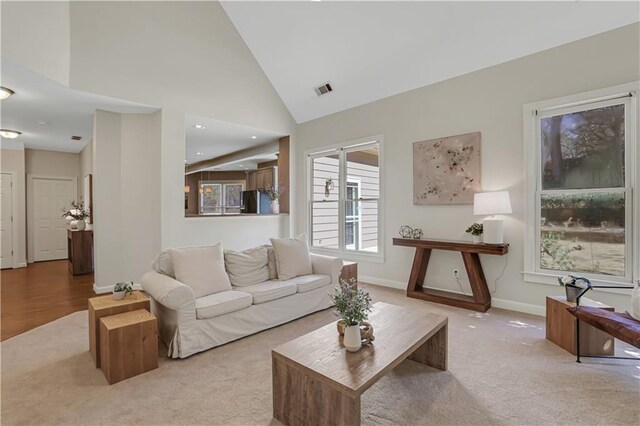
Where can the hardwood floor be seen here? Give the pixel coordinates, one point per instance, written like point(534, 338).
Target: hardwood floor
point(40, 293)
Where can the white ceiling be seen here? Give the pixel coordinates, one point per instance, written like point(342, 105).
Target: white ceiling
point(220, 138)
point(372, 50)
point(66, 112)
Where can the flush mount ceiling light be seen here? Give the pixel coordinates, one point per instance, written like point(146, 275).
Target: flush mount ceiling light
point(9, 134)
point(199, 126)
point(5, 92)
point(43, 123)
point(199, 153)
point(254, 137)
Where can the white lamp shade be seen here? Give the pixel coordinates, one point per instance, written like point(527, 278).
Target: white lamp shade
point(488, 203)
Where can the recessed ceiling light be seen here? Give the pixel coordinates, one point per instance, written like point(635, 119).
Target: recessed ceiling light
point(199, 126)
point(9, 134)
point(185, 161)
point(43, 123)
point(5, 92)
point(254, 137)
point(199, 153)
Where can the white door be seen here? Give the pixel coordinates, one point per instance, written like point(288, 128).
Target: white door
point(6, 221)
point(50, 196)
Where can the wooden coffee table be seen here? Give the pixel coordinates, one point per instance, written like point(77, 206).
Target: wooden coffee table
point(316, 381)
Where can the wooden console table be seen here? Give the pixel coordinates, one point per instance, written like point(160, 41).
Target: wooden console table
point(481, 299)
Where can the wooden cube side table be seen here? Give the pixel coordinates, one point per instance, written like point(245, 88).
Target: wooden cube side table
point(104, 306)
point(128, 344)
point(349, 270)
point(561, 328)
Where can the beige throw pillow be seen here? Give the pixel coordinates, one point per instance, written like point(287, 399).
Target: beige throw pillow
point(201, 268)
point(292, 257)
point(247, 267)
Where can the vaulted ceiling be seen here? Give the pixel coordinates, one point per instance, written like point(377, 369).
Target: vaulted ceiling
point(372, 50)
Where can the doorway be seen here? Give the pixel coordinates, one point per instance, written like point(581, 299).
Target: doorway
point(6, 220)
point(46, 228)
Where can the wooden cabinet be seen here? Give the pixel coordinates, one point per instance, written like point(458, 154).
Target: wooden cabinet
point(80, 251)
point(262, 178)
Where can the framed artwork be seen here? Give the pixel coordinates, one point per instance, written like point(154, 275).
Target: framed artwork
point(87, 195)
point(446, 170)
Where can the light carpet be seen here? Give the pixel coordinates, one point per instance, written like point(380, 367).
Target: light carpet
point(502, 370)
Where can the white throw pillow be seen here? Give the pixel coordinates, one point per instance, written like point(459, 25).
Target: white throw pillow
point(162, 264)
point(292, 257)
point(201, 268)
point(271, 263)
point(247, 267)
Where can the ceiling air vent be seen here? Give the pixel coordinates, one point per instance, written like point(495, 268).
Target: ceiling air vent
point(323, 89)
point(76, 138)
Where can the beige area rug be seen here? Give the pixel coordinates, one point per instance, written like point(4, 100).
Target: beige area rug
point(501, 371)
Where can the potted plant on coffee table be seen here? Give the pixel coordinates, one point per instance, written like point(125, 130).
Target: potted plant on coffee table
point(353, 306)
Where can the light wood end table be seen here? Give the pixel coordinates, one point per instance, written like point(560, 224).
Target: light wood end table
point(104, 306)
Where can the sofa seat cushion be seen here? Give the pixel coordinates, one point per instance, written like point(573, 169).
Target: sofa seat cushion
point(306, 283)
point(222, 303)
point(270, 290)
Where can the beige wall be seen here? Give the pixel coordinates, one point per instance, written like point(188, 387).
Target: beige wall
point(51, 163)
point(13, 161)
point(490, 101)
point(36, 35)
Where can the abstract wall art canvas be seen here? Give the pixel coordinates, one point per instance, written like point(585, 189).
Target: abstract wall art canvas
point(446, 170)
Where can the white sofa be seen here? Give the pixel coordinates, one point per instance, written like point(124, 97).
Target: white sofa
point(189, 325)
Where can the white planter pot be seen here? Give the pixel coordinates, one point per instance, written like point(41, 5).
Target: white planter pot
point(119, 295)
point(635, 301)
point(275, 207)
point(81, 225)
point(477, 239)
point(352, 340)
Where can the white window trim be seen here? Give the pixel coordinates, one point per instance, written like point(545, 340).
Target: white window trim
point(347, 254)
point(531, 116)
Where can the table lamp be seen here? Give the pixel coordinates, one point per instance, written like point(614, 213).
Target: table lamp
point(489, 204)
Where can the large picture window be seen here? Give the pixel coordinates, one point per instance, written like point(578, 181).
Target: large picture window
point(581, 216)
point(344, 199)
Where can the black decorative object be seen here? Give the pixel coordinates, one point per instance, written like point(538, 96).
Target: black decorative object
point(417, 234)
point(406, 231)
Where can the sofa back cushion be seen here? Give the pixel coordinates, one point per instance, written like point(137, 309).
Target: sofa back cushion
point(201, 268)
point(292, 257)
point(247, 267)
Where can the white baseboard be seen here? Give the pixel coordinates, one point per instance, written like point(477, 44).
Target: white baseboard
point(526, 308)
point(109, 288)
point(20, 265)
point(496, 303)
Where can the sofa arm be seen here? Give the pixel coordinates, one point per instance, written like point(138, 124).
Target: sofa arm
point(167, 291)
point(327, 265)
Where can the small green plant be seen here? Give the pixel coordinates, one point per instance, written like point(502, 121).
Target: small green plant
point(353, 304)
point(127, 287)
point(475, 229)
